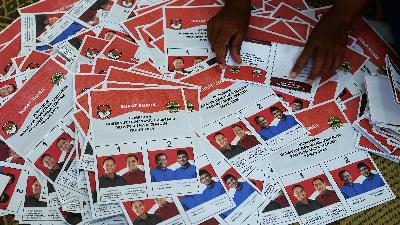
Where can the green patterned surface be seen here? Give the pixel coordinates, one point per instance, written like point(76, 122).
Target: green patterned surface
point(385, 214)
point(8, 10)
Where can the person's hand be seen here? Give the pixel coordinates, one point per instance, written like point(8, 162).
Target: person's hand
point(326, 46)
point(228, 28)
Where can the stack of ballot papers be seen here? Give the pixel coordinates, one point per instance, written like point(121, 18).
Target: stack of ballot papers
point(116, 112)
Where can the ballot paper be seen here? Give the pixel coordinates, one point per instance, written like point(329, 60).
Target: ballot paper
point(381, 97)
point(116, 113)
point(186, 27)
point(211, 201)
point(350, 178)
point(244, 193)
point(162, 210)
point(13, 193)
point(269, 64)
point(35, 207)
point(166, 114)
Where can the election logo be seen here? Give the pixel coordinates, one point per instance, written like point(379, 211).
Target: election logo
point(104, 111)
point(127, 3)
point(346, 67)
point(10, 128)
point(114, 54)
point(91, 53)
point(173, 107)
point(335, 122)
point(32, 66)
point(235, 69)
point(7, 67)
point(57, 78)
point(256, 72)
point(176, 24)
point(189, 106)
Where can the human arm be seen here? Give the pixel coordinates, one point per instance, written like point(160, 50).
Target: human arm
point(328, 40)
point(228, 28)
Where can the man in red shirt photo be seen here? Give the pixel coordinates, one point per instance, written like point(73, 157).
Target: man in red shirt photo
point(166, 209)
point(326, 197)
point(134, 175)
point(247, 141)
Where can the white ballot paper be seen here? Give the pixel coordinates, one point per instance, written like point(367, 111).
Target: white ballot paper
point(245, 194)
point(13, 193)
point(220, 98)
point(42, 102)
point(247, 137)
point(329, 182)
point(84, 10)
point(167, 160)
point(383, 107)
point(270, 64)
point(211, 201)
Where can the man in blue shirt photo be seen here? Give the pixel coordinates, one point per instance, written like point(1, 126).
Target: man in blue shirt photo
point(187, 170)
point(242, 189)
point(349, 188)
point(285, 121)
point(161, 172)
point(191, 201)
point(266, 132)
point(73, 29)
point(371, 181)
point(213, 189)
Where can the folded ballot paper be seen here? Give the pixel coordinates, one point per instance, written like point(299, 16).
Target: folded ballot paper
point(115, 112)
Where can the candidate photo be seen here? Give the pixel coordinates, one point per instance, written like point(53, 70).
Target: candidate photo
point(279, 202)
point(91, 16)
point(7, 89)
point(357, 178)
point(110, 178)
point(43, 22)
point(70, 31)
point(272, 122)
point(312, 194)
point(241, 191)
point(121, 170)
point(8, 191)
point(172, 164)
point(303, 203)
point(134, 174)
point(33, 191)
point(59, 154)
point(151, 211)
point(212, 188)
point(233, 140)
point(178, 65)
point(53, 167)
point(181, 63)
point(295, 103)
point(7, 154)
